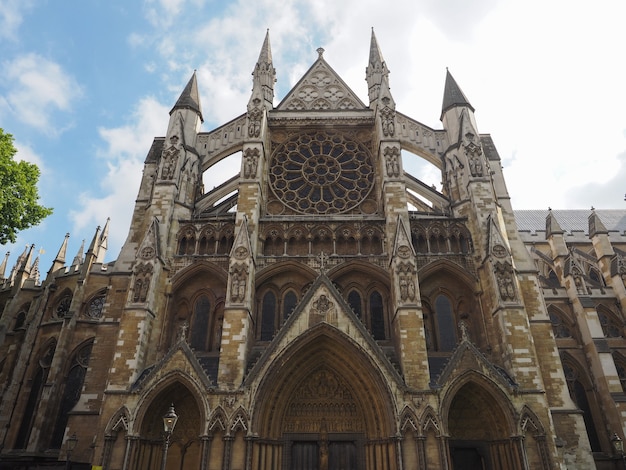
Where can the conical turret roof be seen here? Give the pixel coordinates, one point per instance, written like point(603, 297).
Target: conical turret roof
point(452, 95)
point(190, 98)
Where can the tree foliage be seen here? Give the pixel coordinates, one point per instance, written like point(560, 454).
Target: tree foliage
point(19, 209)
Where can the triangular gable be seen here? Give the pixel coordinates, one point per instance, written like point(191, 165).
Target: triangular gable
point(467, 357)
point(322, 306)
point(179, 358)
point(402, 246)
point(495, 242)
point(150, 247)
point(321, 89)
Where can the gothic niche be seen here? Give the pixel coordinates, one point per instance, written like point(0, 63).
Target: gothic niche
point(250, 162)
point(170, 159)
point(143, 275)
point(474, 153)
point(323, 398)
point(392, 161)
point(238, 282)
point(504, 278)
point(406, 279)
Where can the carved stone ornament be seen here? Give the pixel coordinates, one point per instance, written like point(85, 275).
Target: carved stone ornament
point(387, 115)
point(392, 161)
point(504, 279)
point(238, 283)
point(255, 115)
point(143, 276)
point(323, 310)
point(404, 251)
point(474, 154)
point(241, 252)
point(147, 252)
point(406, 280)
point(250, 162)
point(169, 159)
point(499, 251)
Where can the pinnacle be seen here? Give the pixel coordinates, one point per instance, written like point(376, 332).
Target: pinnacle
point(452, 95)
point(190, 98)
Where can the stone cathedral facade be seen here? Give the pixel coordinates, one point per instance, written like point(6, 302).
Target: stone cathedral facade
point(322, 308)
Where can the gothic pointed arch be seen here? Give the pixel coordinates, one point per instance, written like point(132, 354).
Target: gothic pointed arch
point(480, 421)
point(115, 433)
point(74, 378)
point(583, 393)
point(326, 372)
point(429, 421)
point(197, 304)
point(217, 421)
point(537, 454)
point(239, 421)
point(408, 420)
point(178, 391)
point(37, 383)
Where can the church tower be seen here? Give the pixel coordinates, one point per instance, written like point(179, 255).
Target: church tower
point(322, 307)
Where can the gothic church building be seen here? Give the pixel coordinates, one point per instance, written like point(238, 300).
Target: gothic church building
point(323, 308)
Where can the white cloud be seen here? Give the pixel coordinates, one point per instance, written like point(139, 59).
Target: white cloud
point(11, 16)
point(25, 152)
point(37, 89)
point(126, 149)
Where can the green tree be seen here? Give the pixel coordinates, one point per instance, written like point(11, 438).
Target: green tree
point(18, 192)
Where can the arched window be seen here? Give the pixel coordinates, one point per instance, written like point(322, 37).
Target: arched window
point(39, 379)
point(354, 300)
point(206, 246)
point(289, 304)
point(620, 365)
point(268, 316)
point(610, 326)
point(377, 316)
point(273, 246)
point(62, 308)
point(20, 320)
point(95, 307)
point(187, 242)
point(446, 327)
point(200, 324)
point(595, 276)
point(71, 394)
point(578, 393)
point(559, 327)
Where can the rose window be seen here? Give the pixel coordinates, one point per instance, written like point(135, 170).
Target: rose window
point(321, 173)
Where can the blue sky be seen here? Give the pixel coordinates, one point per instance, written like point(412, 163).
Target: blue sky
point(86, 85)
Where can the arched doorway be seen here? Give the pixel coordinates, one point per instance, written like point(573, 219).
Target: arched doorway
point(185, 444)
point(323, 405)
point(481, 431)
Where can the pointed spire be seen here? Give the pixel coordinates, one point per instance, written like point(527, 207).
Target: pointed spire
point(190, 98)
point(3, 265)
point(59, 261)
point(265, 56)
point(596, 226)
point(93, 246)
point(552, 225)
point(34, 271)
point(452, 95)
point(60, 258)
point(376, 73)
point(264, 77)
point(103, 244)
point(78, 259)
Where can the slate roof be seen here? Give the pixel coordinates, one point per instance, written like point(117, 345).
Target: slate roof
point(570, 220)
